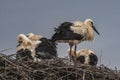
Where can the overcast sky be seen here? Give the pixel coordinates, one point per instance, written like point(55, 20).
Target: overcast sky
point(41, 16)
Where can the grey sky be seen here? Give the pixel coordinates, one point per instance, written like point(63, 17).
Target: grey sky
point(41, 16)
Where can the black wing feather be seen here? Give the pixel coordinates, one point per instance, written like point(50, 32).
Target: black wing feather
point(63, 32)
point(93, 59)
point(46, 49)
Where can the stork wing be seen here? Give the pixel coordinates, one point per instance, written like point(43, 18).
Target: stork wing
point(46, 47)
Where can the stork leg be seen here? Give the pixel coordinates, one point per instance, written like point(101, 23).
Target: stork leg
point(75, 56)
point(70, 54)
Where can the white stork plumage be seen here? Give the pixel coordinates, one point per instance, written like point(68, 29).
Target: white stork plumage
point(46, 49)
point(25, 48)
point(85, 56)
point(75, 32)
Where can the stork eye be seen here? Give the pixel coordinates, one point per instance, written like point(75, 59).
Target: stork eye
point(19, 41)
point(92, 23)
point(27, 36)
point(91, 53)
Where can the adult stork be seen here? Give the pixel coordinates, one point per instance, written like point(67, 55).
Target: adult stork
point(85, 56)
point(75, 32)
point(46, 49)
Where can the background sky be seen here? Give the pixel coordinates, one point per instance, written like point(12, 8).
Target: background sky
point(41, 16)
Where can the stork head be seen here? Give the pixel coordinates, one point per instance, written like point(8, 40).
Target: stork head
point(90, 22)
point(90, 51)
point(34, 37)
point(22, 39)
point(85, 52)
point(29, 35)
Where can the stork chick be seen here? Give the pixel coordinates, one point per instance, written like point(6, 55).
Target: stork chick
point(85, 56)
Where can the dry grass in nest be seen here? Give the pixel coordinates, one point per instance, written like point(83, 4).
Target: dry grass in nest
point(52, 69)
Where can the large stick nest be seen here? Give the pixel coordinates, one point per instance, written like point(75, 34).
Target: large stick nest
point(52, 69)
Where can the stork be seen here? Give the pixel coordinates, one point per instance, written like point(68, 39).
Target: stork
point(85, 56)
point(25, 48)
point(74, 33)
point(46, 49)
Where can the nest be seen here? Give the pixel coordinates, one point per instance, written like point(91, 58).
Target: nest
point(52, 69)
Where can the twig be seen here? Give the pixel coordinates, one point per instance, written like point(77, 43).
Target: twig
point(8, 60)
point(83, 78)
point(116, 70)
point(101, 57)
point(5, 50)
